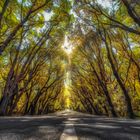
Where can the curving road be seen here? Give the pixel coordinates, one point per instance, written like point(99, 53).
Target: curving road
point(68, 125)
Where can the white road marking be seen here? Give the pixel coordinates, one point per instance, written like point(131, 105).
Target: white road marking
point(69, 132)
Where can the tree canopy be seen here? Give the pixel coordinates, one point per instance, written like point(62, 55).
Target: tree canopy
point(82, 55)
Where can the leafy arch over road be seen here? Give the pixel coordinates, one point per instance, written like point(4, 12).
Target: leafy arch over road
point(104, 66)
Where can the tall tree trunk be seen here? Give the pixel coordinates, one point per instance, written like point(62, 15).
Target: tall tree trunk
point(127, 98)
point(105, 90)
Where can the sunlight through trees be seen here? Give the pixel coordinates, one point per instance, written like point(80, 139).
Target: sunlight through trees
point(82, 55)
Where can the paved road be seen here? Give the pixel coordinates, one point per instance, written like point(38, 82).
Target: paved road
point(68, 125)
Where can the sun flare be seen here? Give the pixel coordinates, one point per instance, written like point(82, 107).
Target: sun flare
point(67, 46)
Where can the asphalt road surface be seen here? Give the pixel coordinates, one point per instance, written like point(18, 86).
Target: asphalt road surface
point(68, 125)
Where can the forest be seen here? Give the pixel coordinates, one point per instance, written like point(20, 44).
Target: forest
point(82, 55)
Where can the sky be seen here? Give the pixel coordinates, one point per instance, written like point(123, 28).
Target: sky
point(47, 15)
point(105, 3)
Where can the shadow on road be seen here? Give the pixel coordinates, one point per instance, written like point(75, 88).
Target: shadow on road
point(51, 127)
point(31, 128)
point(107, 129)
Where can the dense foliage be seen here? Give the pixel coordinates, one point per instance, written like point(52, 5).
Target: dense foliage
point(100, 76)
